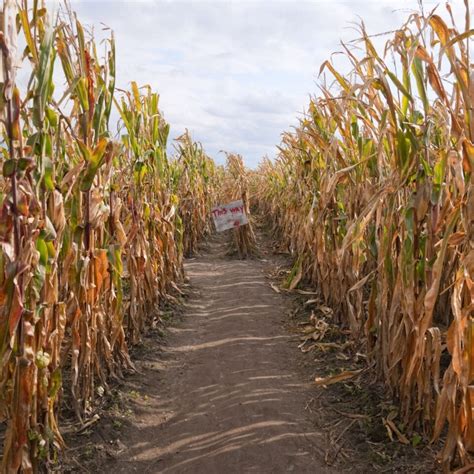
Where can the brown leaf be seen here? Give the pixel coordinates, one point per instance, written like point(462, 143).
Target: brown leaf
point(346, 375)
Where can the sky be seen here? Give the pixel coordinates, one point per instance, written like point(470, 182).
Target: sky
point(236, 73)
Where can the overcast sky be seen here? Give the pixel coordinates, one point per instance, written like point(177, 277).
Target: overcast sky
point(235, 73)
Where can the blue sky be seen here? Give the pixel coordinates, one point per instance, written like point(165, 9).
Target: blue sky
point(235, 73)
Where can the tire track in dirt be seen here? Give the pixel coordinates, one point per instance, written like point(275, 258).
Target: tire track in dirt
point(224, 396)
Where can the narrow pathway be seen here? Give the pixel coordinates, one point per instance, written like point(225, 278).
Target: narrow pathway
point(225, 395)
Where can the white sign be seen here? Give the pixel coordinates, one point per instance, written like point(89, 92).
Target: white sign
point(229, 216)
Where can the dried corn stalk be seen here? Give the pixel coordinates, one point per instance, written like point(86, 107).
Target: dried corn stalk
point(235, 187)
point(197, 185)
point(372, 193)
point(90, 236)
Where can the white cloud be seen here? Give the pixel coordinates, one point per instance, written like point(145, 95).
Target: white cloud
point(235, 73)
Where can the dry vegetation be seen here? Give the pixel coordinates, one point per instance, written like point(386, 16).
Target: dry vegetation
point(198, 178)
point(93, 228)
point(373, 195)
point(234, 186)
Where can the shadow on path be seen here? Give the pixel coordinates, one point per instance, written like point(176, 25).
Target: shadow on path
point(224, 396)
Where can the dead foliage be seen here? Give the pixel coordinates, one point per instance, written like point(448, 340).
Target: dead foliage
point(91, 228)
point(373, 196)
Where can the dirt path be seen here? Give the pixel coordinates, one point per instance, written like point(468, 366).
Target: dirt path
point(225, 395)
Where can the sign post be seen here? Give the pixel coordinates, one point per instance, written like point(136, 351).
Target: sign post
point(229, 216)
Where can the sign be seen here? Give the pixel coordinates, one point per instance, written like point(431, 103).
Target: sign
point(229, 216)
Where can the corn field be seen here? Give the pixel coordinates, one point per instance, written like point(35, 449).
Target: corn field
point(93, 227)
point(198, 181)
point(373, 195)
point(234, 185)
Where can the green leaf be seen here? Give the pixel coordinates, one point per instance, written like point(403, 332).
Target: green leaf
point(418, 71)
point(48, 173)
point(438, 178)
point(26, 163)
point(52, 117)
point(96, 159)
point(9, 168)
point(416, 440)
point(43, 251)
point(56, 382)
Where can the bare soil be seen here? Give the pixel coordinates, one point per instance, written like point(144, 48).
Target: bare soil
point(225, 389)
point(224, 397)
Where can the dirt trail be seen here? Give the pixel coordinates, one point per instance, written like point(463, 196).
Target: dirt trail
point(224, 396)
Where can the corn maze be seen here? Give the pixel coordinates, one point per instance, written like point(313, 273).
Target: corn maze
point(372, 194)
point(93, 230)
point(234, 185)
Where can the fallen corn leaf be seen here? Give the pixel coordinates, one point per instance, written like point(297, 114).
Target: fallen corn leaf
point(348, 374)
point(275, 288)
point(391, 427)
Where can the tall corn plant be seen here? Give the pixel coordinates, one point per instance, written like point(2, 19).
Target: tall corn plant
point(372, 193)
point(235, 187)
point(197, 184)
point(88, 154)
point(17, 345)
point(34, 317)
point(153, 258)
point(89, 231)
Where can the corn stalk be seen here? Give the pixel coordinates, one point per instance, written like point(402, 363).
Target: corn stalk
point(197, 185)
point(90, 237)
point(235, 187)
point(372, 193)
